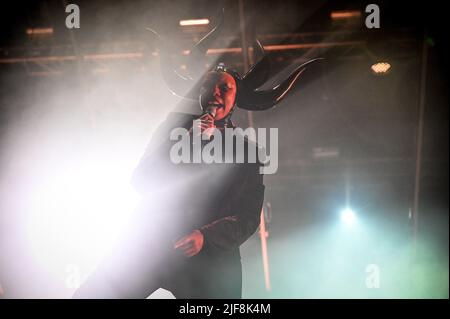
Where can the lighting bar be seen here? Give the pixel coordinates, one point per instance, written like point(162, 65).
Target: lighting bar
point(194, 22)
point(40, 31)
point(339, 15)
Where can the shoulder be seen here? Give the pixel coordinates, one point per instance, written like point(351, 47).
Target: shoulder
point(247, 138)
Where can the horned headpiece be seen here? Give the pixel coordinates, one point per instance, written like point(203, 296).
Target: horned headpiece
point(248, 97)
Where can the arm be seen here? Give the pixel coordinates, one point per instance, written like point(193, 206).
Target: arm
point(231, 231)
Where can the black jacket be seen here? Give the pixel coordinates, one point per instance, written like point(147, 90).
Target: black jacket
point(222, 200)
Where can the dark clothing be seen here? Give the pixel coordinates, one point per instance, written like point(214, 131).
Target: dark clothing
point(222, 200)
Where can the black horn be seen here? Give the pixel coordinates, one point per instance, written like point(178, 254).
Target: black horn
point(260, 100)
point(259, 72)
point(177, 83)
point(180, 85)
point(202, 46)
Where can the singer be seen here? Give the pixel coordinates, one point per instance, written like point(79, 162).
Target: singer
point(194, 216)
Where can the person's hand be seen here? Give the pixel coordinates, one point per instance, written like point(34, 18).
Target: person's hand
point(191, 244)
point(205, 125)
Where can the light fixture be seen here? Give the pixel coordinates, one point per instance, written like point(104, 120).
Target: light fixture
point(345, 14)
point(380, 68)
point(193, 22)
point(348, 216)
point(39, 31)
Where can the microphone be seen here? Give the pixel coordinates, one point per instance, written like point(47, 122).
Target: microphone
point(211, 110)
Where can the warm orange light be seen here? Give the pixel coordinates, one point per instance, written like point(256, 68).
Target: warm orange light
point(380, 67)
point(194, 22)
point(336, 15)
point(32, 31)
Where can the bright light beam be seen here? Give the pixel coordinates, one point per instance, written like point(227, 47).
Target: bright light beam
point(348, 216)
point(77, 213)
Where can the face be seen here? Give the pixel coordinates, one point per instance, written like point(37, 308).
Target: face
point(218, 89)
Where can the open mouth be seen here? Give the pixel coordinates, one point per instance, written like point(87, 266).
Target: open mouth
point(215, 103)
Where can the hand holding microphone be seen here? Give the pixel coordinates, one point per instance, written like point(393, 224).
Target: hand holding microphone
point(205, 123)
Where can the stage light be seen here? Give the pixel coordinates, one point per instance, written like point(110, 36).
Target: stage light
point(348, 216)
point(339, 15)
point(191, 22)
point(380, 68)
point(39, 31)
